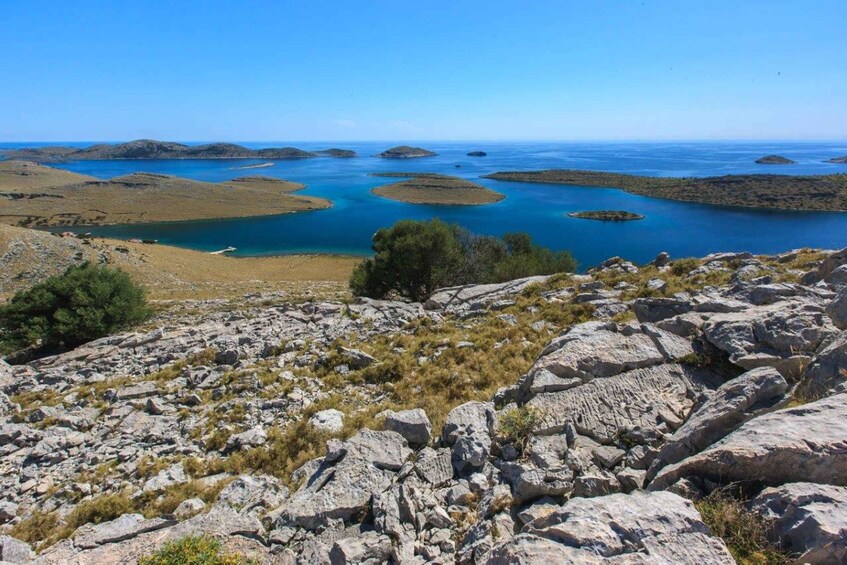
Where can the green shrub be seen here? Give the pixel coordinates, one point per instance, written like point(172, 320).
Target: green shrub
point(518, 424)
point(85, 303)
point(414, 258)
point(192, 550)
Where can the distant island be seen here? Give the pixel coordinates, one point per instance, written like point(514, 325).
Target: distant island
point(789, 192)
point(33, 195)
point(477, 154)
point(775, 160)
point(430, 188)
point(607, 215)
point(151, 149)
point(840, 160)
point(405, 152)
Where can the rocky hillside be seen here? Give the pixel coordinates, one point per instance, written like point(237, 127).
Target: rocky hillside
point(613, 417)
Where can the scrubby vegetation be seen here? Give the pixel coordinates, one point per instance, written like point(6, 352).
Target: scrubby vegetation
point(85, 303)
point(436, 189)
point(518, 424)
point(414, 258)
point(192, 550)
point(809, 192)
point(744, 532)
point(607, 215)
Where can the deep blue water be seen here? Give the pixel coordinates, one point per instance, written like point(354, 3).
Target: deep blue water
point(682, 229)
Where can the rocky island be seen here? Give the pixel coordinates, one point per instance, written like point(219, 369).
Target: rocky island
point(436, 189)
point(405, 152)
point(839, 160)
point(565, 419)
point(789, 192)
point(151, 149)
point(775, 160)
point(607, 215)
point(477, 154)
point(36, 195)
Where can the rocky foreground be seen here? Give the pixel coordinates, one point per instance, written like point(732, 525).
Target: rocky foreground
point(647, 389)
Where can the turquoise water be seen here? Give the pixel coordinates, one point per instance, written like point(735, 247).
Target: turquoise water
point(682, 229)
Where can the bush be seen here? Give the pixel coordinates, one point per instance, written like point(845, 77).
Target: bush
point(518, 424)
point(192, 550)
point(414, 258)
point(85, 303)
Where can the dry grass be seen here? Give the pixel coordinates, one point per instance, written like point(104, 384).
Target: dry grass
point(169, 273)
point(435, 189)
point(744, 532)
point(27, 198)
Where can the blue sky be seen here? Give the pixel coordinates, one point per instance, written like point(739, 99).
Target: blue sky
point(388, 70)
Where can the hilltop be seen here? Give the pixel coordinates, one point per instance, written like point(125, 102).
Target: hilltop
point(35, 195)
point(152, 149)
point(789, 192)
point(436, 189)
point(610, 416)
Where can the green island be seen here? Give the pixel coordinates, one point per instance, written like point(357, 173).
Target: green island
point(607, 215)
point(437, 189)
point(788, 192)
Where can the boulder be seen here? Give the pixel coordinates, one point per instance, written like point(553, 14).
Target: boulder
point(13, 550)
point(598, 349)
point(330, 420)
point(250, 492)
point(434, 465)
point(471, 415)
point(413, 425)
point(369, 547)
point(356, 359)
point(341, 489)
point(828, 370)
point(188, 508)
point(467, 297)
point(783, 335)
point(732, 404)
point(838, 277)
point(829, 264)
point(125, 527)
point(655, 309)
point(173, 475)
point(657, 398)
point(806, 443)
point(638, 528)
point(808, 520)
point(837, 310)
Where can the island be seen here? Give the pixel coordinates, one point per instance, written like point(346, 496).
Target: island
point(33, 195)
point(477, 154)
point(405, 152)
point(607, 215)
point(788, 192)
point(436, 189)
point(152, 149)
point(775, 160)
point(839, 160)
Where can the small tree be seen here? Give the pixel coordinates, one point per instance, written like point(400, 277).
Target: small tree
point(85, 303)
point(412, 258)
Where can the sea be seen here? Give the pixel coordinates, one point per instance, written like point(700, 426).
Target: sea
point(680, 228)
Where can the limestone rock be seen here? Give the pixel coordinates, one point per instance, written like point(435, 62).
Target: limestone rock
point(476, 415)
point(651, 398)
point(837, 310)
point(645, 527)
point(806, 443)
point(413, 425)
point(828, 370)
point(15, 551)
point(330, 420)
point(808, 520)
point(732, 403)
point(173, 475)
point(461, 298)
point(122, 528)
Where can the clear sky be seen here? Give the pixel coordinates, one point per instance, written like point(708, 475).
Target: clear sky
point(432, 70)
